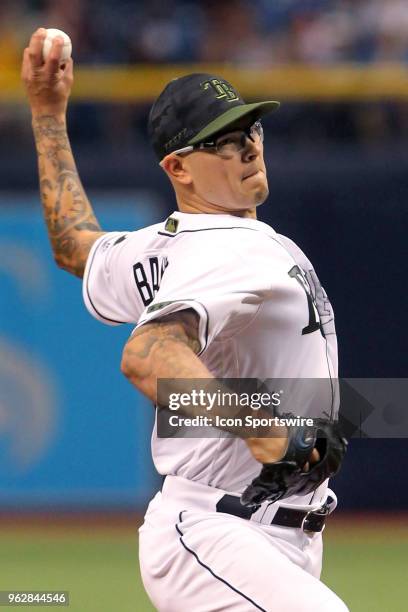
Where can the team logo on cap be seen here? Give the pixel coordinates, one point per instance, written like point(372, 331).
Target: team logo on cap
point(221, 89)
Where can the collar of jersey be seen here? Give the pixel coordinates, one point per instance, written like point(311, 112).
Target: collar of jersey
point(197, 221)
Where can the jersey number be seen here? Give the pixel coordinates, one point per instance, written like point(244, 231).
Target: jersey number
point(148, 288)
point(314, 319)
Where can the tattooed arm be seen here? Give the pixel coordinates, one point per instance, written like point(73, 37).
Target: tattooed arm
point(71, 223)
point(167, 349)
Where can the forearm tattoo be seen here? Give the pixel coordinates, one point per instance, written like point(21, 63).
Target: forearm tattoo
point(67, 210)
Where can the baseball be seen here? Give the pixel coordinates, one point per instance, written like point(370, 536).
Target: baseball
point(66, 49)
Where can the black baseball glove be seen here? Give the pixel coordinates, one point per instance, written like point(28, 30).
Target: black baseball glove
point(286, 477)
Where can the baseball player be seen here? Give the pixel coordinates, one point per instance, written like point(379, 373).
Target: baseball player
point(214, 293)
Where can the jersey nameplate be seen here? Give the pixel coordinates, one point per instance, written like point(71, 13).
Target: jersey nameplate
point(148, 275)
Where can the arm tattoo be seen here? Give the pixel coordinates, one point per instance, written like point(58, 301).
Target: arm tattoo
point(152, 347)
point(164, 348)
point(67, 210)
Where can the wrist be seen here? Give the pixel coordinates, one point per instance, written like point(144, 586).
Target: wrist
point(267, 450)
point(58, 115)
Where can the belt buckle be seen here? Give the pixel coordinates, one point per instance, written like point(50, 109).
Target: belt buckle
point(319, 516)
point(305, 518)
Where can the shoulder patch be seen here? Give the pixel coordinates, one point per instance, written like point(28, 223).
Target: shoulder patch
point(158, 306)
point(171, 225)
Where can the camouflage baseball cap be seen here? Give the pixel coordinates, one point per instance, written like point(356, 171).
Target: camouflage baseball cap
point(194, 107)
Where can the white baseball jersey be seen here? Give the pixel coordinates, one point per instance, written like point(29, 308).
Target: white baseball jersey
point(262, 314)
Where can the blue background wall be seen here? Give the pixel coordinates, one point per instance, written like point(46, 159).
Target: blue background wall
point(73, 432)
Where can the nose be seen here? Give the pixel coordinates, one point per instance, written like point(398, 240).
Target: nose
point(252, 150)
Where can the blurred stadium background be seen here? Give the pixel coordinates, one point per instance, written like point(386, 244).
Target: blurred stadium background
point(75, 468)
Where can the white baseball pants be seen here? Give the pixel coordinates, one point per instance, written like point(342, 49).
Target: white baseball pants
point(197, 560)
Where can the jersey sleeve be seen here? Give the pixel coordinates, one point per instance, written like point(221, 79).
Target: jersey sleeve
point(98, 290)
point(212, 280)
point(122, 273)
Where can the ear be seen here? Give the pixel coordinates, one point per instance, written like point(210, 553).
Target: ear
point(176, 169)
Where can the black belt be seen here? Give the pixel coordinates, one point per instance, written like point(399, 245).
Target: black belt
point(285, 517)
